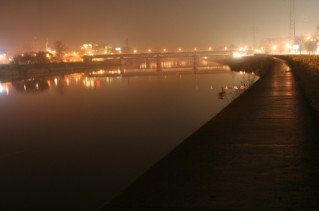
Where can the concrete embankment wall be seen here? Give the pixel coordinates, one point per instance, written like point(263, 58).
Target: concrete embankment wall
point(261, 152)
point(306, 68)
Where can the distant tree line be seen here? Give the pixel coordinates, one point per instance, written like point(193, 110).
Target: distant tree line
point(33, 58)
point(310, 46)
point(42, 57)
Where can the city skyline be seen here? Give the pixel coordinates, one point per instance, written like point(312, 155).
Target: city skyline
point(149, 24)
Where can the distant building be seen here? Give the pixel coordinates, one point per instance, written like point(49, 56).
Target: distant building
point(3, 58)
point(96, 49)
point(300, 45)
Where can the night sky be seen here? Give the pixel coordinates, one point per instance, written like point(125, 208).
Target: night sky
point(150, 23)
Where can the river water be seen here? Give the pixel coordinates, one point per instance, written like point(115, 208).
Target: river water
point(75, 141)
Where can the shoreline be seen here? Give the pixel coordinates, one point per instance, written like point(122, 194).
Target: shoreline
point(270, 150)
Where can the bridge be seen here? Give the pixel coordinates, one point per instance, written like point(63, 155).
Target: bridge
point(194, 56)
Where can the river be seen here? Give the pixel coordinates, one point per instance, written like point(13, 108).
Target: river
point(75, 141)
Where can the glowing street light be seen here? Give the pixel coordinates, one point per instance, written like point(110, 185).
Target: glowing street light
point(118, 50)
point(3, 58)
point(274, 47)
point(210, 48)
point(296, 47)
point(164, 50)
point(180, 50)
point(195, 49)
point(288, 46)
point(237, 55)
point(135, 51)
point(149, 50)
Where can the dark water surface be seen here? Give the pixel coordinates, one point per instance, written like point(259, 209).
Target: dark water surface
point(73, 142)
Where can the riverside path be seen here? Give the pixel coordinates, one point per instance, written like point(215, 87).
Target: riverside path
point(261, 152)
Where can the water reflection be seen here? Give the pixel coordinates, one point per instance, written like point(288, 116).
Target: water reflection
point(102, 78)
point(85, 137)
point(4, 88)
point(31, 86)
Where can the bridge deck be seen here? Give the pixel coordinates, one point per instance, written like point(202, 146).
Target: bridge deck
point(260, 152)
point(185, 54)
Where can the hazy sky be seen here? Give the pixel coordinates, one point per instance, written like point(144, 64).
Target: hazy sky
point(150, 23)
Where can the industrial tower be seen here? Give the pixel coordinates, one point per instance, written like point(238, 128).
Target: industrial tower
point(292, 22)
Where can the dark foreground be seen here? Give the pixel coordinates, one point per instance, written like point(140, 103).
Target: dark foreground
point(261, 152)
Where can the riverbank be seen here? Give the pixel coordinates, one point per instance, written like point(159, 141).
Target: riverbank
point(12, 72)
point(259, 64)
point(16, 72)
point(306, 68)
point(258, 153)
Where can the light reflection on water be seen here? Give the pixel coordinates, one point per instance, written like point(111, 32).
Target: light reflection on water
point(97, 79)
point(79, 139)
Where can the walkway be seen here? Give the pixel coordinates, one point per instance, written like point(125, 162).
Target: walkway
point(259, 153)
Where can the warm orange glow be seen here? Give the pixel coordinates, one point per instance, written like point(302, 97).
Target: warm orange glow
point(288, 46)
point(274, 47)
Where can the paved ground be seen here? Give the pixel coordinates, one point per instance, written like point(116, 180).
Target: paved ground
point(261, 152)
